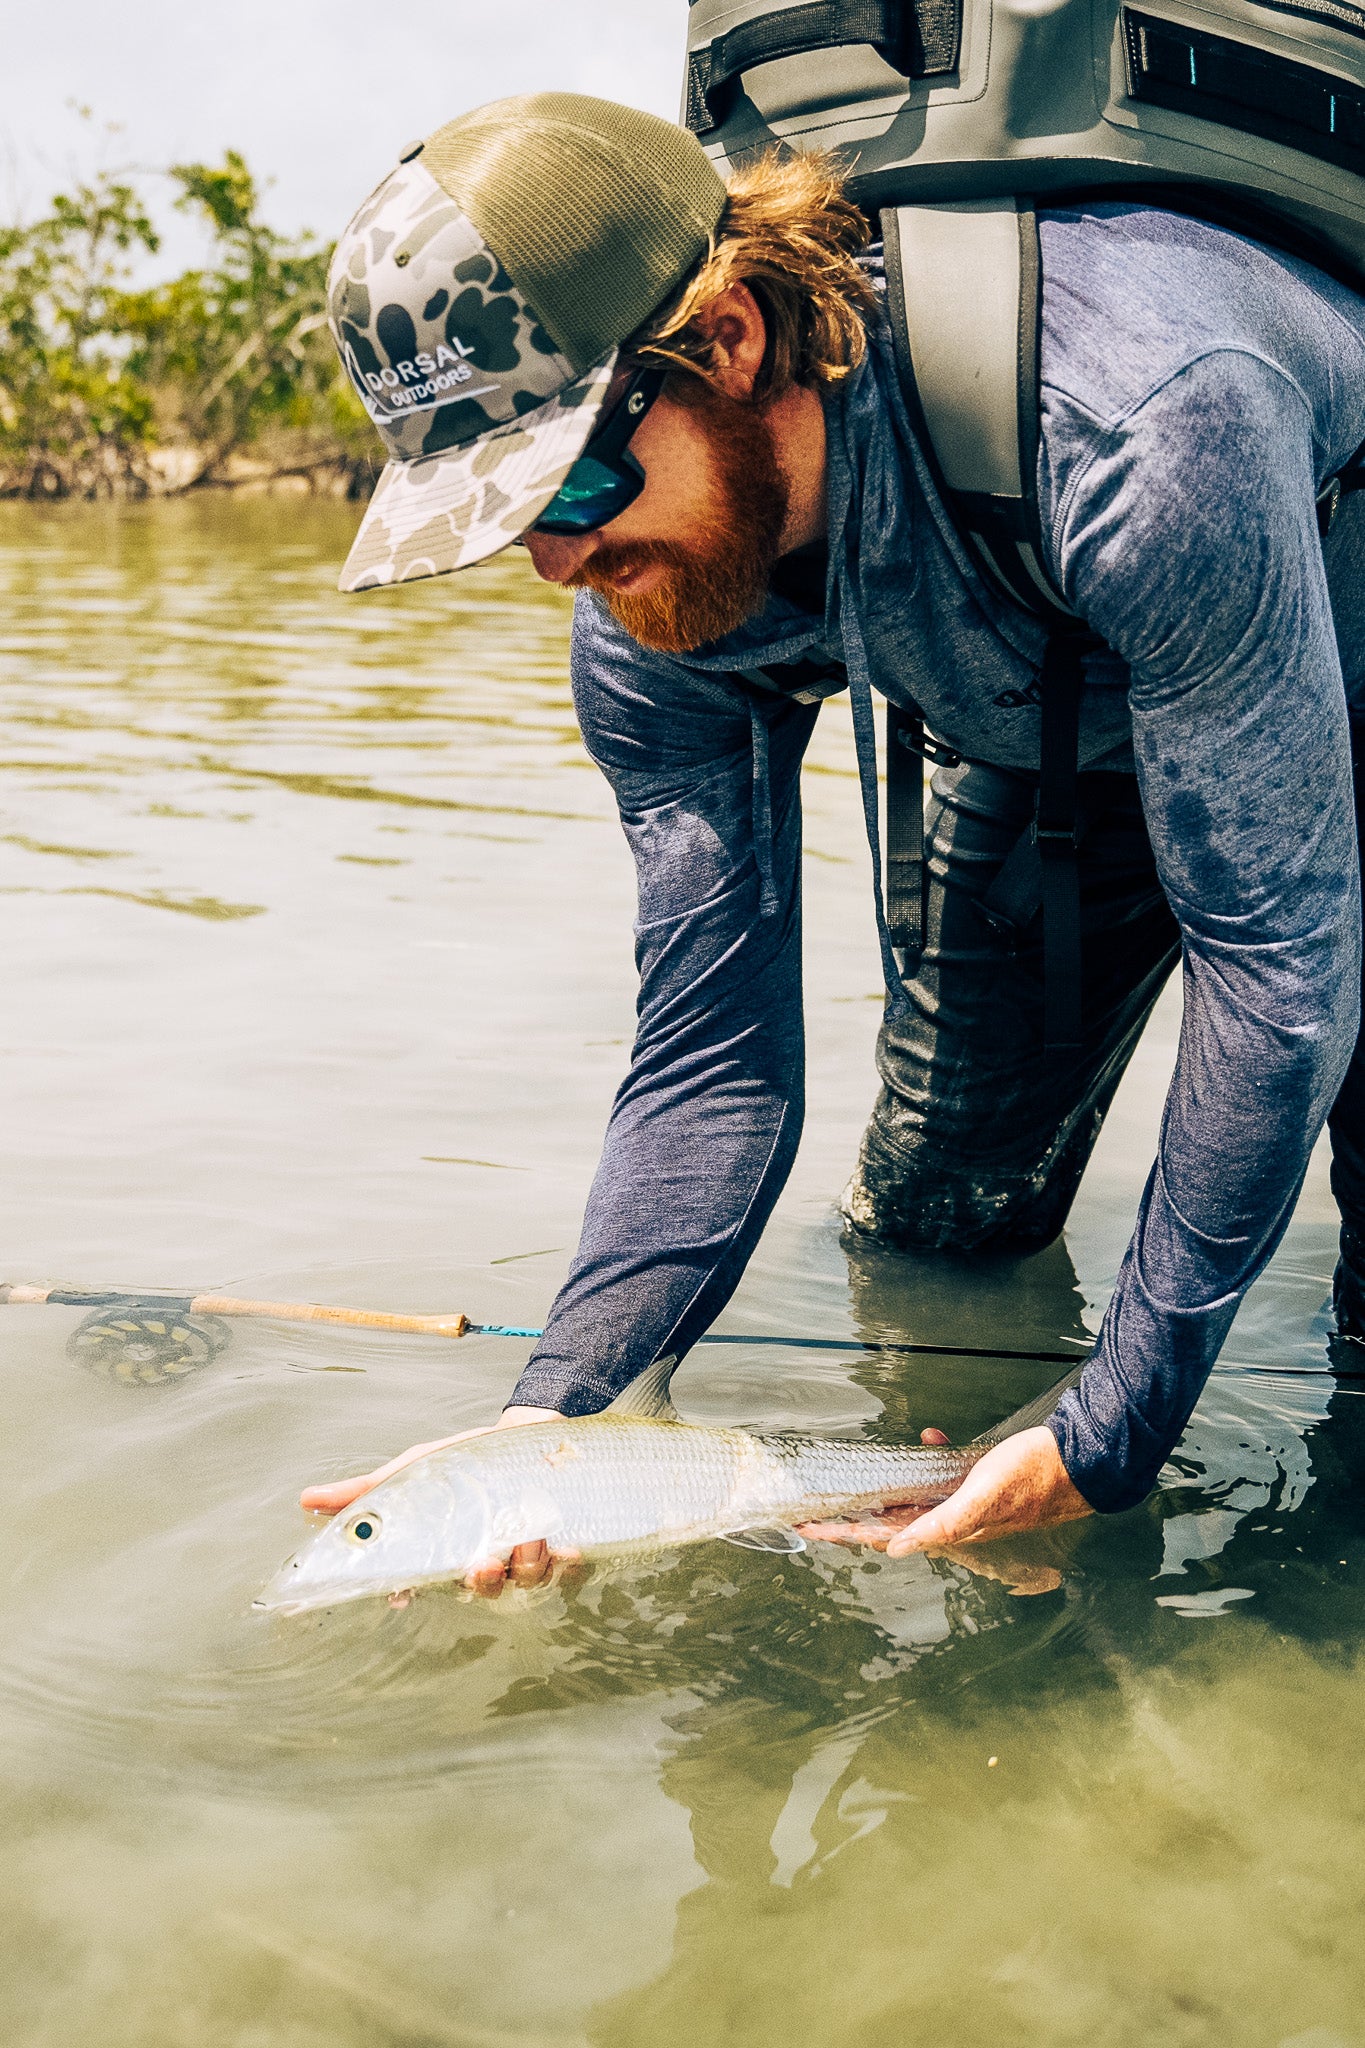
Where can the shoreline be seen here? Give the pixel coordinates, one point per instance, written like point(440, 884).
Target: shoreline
point(181, 472)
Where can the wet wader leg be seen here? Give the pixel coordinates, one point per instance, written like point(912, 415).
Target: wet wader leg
point(979, 1138)
point(1347, 1126)
point(1344, 556)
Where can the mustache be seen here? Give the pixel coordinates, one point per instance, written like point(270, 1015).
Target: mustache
point(614, 560)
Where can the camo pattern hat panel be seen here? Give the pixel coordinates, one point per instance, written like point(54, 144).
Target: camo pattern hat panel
point(477, 408)
point(478, 300)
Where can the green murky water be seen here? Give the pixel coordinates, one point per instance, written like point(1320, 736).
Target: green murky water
point(316, 932)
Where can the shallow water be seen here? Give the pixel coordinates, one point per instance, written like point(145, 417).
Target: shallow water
point(317, 928)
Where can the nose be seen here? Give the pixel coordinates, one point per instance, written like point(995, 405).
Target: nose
point(558, 556)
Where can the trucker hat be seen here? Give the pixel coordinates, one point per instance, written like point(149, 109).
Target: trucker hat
point(479, 299)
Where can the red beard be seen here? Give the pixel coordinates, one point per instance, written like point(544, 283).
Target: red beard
point(711, 585)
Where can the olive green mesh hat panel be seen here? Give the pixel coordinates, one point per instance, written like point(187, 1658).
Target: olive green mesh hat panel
point(597, 211)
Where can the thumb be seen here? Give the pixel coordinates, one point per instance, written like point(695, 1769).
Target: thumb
point(928, 1531)
point(953, 1521)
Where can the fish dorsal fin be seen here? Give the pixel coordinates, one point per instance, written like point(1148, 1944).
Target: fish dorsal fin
point(765, 1538)
point(647, 1394)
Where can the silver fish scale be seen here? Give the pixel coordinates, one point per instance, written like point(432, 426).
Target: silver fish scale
point(611, 1483)
point(608, 1482)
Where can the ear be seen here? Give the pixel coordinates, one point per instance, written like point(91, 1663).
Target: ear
point(734, 325)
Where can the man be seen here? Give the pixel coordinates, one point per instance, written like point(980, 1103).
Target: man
point(709, 442)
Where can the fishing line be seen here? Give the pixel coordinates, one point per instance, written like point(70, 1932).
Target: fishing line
point(899, 1346)
point(1227, 1365)
point(835, 1344)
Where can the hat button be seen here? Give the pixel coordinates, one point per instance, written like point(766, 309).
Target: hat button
point(410, 150)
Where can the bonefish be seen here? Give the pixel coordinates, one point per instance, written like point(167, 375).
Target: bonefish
point(630, 1481)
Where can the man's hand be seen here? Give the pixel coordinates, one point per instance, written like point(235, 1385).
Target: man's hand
point(529, 1563)
point(1020, 1484)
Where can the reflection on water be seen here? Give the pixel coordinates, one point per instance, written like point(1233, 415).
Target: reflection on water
point(367, 1058)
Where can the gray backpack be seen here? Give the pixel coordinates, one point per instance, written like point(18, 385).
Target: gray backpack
point(955, 116)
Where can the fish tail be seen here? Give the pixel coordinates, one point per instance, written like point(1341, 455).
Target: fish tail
point(1032, 1413)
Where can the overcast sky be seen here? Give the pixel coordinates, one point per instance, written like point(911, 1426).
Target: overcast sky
point(319, 95)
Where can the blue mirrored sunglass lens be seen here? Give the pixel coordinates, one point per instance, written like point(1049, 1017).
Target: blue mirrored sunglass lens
point(590, 495)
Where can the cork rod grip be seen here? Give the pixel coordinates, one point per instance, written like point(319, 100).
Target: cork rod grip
point(312, 1312)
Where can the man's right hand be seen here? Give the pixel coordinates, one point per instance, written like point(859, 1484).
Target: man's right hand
point(528, 1565)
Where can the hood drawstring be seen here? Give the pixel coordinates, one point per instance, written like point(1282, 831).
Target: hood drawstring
point(762, 812)
point(865, 745)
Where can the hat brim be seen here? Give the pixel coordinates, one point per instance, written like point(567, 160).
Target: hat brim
point(448, 511)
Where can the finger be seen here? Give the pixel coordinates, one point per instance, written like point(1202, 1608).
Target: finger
point(883, 1521)
point(967, 1516)
point(488, 1579)
point(931, 1532)
point(933, 1437)
point(834, 1532)
point(330, 1499)
point(530, 1563)
point(873, 1534)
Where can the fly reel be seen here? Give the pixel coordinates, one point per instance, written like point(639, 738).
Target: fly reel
point(146, 1344)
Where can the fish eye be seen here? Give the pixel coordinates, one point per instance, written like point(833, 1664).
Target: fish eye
point(363, 1528)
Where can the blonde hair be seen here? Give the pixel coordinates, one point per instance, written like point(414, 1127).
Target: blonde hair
point(791, 234)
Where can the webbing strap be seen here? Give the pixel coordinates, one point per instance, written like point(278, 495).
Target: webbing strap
point(918, 38)
point(908, 747)
point(1056, 833)
point(989, 487)
point(1015, 896)
point(905, 833)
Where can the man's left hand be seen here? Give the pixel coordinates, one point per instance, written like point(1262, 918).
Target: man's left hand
point(1020, 1484)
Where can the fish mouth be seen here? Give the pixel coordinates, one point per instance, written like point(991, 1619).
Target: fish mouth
point(283, 1595)
point(286, 1594)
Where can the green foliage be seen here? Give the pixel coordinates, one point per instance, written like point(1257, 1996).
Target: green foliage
point(98, 381)
point(68, 405)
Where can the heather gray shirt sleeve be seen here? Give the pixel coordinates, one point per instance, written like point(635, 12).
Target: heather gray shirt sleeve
point(1184, 532)
point(705, 1126)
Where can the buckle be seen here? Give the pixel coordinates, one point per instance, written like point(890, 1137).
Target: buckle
point(1328, 502)
point(928, 748)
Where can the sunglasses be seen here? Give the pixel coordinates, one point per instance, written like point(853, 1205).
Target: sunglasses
point(605, 478)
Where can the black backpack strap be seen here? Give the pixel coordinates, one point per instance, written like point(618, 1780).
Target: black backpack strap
point(908, 747)
point(808, 681)
point(904, 838)
point(918, 38)
point(964, 297)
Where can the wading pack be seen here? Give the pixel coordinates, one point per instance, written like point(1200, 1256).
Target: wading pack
point(956, 118)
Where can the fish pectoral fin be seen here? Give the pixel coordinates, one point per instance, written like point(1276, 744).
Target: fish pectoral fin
point(765, 1539)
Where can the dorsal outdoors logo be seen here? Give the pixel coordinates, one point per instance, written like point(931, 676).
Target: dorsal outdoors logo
point(417, 383)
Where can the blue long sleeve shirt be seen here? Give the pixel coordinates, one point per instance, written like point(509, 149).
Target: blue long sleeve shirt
point(1196, 390)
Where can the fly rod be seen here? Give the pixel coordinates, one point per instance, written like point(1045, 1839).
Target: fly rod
point(150, 1336)
point(452, 1324)
point(455, 1325)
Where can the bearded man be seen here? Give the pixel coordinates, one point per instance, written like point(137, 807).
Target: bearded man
point(684, 401)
